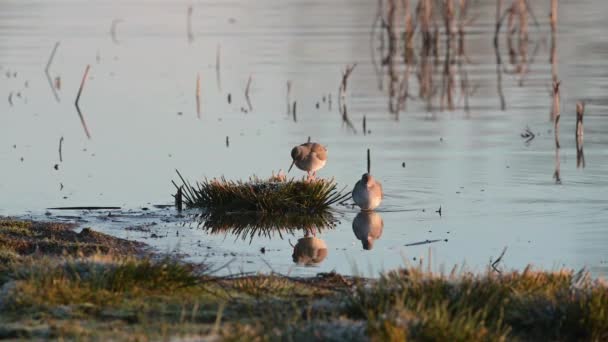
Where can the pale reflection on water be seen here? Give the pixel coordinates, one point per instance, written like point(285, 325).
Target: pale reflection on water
point(458, 131)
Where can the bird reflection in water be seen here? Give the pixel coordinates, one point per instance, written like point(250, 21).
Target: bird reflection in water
point(368, 226)
point(309, 250)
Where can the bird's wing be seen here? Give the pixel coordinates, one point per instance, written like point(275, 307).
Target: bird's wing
point(320, 150)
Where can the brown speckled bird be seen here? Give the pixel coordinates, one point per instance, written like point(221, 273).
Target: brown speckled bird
point(309, 157)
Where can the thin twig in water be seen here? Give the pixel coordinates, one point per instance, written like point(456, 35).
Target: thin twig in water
point(217, 68)
point(84, 124)
point(189, 25)
point(344, 83)
point(495, 263)
point(113, 30)
point(198, 95)
point(60, 148)
point(364, 126)
point(48, 75)
point(288, 97)
point(422, 242)
point(247, 93)
point(528, 135)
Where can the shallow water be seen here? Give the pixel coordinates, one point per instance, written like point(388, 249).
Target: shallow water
point(139, 104)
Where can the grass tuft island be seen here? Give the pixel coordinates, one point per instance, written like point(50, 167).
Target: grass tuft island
point(276, 194)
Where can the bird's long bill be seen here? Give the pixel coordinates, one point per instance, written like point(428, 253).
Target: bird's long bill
point(293, 162)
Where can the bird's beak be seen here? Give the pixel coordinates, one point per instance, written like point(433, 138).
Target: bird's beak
point(293, 162)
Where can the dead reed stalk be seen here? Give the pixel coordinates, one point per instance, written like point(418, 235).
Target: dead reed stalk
point(115, 23)
point(410, 30)
point(344, 83)
point(555, 107)
point(247, 88)
point(198, 95)
point(553, 16)
point(217, 67)
point(580, 112)
point(364, 126)
point(580, 155)
point(82, 121)
point(47, 73)
point(288, 97)
point(189, 24)
point(60, 150)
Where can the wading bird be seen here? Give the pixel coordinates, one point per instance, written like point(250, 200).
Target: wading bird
point(309, 157)
point(367, 193)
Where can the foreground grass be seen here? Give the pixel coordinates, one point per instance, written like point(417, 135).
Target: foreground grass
point(136, 297)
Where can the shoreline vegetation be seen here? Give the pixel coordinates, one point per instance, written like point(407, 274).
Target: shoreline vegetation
point(56, 283)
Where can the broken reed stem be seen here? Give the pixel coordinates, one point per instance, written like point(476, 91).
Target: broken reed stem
point(555, 107)
point(499, 19)
point(344, 83)
point(198, 95)
point(47, 73)
point(449, 18)
point(409, 33)
point(82, 121)
point(288, 97)
point(179, 199)
point(425, 10)
point(51, 57)
point(60, 150)
point(189, 24)
point(556, 111)
point(217, 67)
point(364, 126)
point(498, 260)
point(113, 30)
point(369, 162)
point(553, 16)
point(580, 155)
point(247, 93)
point(580, 112)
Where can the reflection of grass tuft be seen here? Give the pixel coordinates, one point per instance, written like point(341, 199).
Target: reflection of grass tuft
point(274, 195)
point(254, 224)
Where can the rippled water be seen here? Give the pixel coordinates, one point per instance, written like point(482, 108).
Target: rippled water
point(140, 107)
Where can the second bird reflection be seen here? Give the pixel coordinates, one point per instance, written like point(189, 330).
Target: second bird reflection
point(368, 226)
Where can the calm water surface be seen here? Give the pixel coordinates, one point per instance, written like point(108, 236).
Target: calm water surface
point(139, 104)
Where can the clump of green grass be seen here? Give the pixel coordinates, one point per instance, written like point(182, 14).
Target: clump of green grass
point(256, 224)
point(273, 195)
point(526, 305)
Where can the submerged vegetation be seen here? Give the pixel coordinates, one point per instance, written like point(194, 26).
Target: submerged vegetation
point(113, 294)
point(273, 195)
